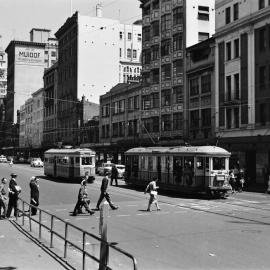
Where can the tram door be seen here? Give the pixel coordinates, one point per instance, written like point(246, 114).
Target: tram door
point(159, 168)
point(71, 167)
point(54, 166)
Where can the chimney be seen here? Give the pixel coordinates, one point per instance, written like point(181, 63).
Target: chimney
point(99, 10)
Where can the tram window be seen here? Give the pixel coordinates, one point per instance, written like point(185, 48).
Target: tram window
point(86, 161)
point(189, 163)
point(150, 163)
point(65, 160)
point(143, 162)
point(77, 160)
point(72, 160)
point(218, 163)
point(200, 163)
point(178, 169)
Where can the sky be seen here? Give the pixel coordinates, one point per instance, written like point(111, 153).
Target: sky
point(18, 17)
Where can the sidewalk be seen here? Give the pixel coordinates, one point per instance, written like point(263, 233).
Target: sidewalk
point(17, 251)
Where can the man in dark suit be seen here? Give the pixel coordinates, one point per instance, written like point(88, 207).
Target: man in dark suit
point(13, 195)
point(34, 194)
point(104, 193)
point(114, 175)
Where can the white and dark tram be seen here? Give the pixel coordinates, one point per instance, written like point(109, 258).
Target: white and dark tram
point(70, 163)
point(182, 168)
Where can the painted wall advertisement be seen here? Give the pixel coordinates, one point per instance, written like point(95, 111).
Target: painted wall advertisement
point(25, 55)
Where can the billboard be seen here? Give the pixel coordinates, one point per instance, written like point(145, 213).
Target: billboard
point(29, 56)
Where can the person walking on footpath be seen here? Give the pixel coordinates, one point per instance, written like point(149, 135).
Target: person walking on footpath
point(34, 194)
point(13, 195)
point(152, 189)
point(104, 193)
point(114, 175)
point(83, 200)
point(3, 198)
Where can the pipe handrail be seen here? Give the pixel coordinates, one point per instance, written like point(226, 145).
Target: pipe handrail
point(64, 238)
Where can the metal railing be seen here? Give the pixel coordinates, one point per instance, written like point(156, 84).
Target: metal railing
point(51, 230)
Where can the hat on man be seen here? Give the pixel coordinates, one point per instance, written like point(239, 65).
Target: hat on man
point(4, 180)
point(13, 175)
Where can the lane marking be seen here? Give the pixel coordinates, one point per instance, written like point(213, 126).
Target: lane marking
point(123, 215)
point(58, 210)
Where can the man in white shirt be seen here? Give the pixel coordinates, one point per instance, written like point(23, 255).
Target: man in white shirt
point(152, 189)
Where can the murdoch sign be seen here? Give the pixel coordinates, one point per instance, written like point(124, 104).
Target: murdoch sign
point(29, 56)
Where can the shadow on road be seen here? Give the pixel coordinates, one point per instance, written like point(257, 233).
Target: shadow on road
point(60, 180)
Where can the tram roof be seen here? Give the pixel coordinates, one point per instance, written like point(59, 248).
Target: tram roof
point(69, 151)
point(195, 150)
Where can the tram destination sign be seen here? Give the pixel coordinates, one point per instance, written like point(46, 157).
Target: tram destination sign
point(26, 55)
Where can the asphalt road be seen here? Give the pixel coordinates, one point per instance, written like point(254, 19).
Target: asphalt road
point(188, 232)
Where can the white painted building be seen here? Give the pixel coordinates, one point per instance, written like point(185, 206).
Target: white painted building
point(200, 20)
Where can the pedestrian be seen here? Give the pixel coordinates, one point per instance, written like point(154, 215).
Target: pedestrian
point(152, 189)
point(104, 193)
point(232, 181)
point(13, 195)
point(34, 194)
point(83, 200)
point(114, 175)
point(3, 198)
point(11, 162)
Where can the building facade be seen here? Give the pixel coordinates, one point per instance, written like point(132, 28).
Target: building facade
point(200, 94)
point(166, 33)
point(130, 49)
point(50, 106)
point(242, 84)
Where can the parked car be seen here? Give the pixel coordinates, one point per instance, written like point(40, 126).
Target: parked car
point(105, 167)
point(3, 159)
point(36, 162)
point(121, 170)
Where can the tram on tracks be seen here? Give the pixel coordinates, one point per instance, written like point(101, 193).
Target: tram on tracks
point(182, 168)
point(70, 163)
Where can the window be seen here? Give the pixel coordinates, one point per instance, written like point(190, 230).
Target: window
point(177, 42)
point(115, 129)
point(121, 105)
point(146, 102)
point(139, 37)
point(236, 48)
point(206, 117)
point(86, 161)
point(155, 29)
point(203, 16)
point(178, 15)
point(228, 51)
point(121, 35)
point(261, 4)
point(236, 86)
point(146, 78)
point(177, 68)
point(155, 4)
point(262, 40)
point(228, 15)
point(177, 121)
point(262, 77)
point(155, 52)
point(166, 72)
point(263, 114)
point(165, 47)
point(236, 117)
point(130, 103)
point(53, 53)
point(134, 54)
point(121, 129)
point(194, 119)
point(155, 123)
point(166, 122)
point(136, 102)
point(203, 36)
point(146, 56)
point(206, 83)
point(146, 33)
point(155, 76)
point(236, 11)
point(120, 52)
point(229, 118)
point(129, 36)
point(165, 22)
point(177, 95)
point(229, 88)
point(128, 53)
point(194, 87)
point(155, 100)
point(166, 98)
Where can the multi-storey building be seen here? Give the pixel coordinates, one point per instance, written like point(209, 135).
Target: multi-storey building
point(200, 94)
point(37, 118)
point(28, 139)
point(242, 84)
point(22, 138)
point(169, 26)
point(50, 106)
point(51, 48)
point(90, 64)
point(120, 118)
point(130, 49)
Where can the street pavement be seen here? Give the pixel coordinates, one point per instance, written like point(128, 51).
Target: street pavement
point(188, 233)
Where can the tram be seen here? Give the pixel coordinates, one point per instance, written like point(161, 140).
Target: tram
point(182, 168)
point(70, 163)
